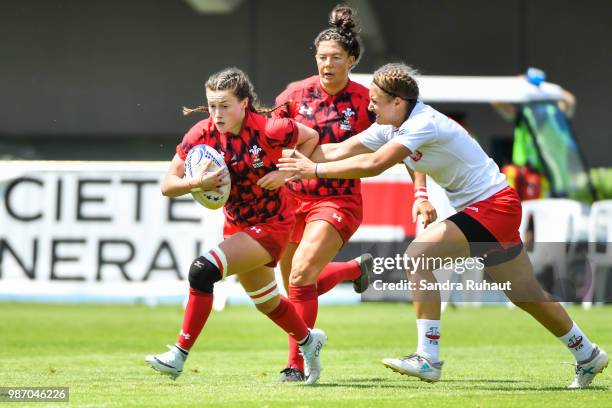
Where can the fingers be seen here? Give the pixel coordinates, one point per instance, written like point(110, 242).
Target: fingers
point(295, 177)
point(298, 154)
point(286, 167)
point(288, 160)
point(429, 217)
point(263, 180)
point(205, 165)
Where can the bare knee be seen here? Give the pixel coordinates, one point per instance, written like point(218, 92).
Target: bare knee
point(302, 274)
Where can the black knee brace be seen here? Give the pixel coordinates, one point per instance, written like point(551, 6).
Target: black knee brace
point(203, 274)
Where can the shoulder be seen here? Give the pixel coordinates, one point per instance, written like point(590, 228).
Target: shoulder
point(200, 129)
point(298, 88)
point(422, 119)
point(378, 131)
point(196, 135)
point(358, 89)
point(276, 125)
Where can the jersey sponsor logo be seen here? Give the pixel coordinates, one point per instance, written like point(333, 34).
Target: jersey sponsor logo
point(336, 217)
point(416, 156)
point(255, 150)
point(257, 230)
point(305, 110)
point(575, 343)
point(345, 123)
point(475, 209)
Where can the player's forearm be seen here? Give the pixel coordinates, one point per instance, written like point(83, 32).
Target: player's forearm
point(419, 179)
point(174, 186)
point(363, 165)
point(307, 146)
point(328, 152)
point(308, 139)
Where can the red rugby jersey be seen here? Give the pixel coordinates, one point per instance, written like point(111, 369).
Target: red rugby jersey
point(334, 117)
point(249, 155)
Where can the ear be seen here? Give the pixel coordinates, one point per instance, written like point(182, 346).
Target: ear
point(244, 103)
point(351, 61)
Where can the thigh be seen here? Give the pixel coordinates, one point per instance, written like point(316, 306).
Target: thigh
point(244, 254)
point(319, 245)
point(443, 240)
point(286, 260)
point(524, 286)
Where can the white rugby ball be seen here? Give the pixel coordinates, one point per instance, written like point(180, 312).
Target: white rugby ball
point(196, 158)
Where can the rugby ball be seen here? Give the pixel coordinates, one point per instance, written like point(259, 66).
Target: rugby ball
point(198, 157)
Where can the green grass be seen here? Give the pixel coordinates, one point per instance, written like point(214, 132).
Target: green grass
point(495, 357)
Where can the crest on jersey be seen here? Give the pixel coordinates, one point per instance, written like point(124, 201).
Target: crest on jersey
point(345, 123)
point(255, 150)
point(305, 110)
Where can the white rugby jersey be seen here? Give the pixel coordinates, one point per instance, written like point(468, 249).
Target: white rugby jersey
point(445, 151)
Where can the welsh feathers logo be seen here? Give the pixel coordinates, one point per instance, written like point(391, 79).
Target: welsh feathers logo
point(255, 150)
point(575, 342)
point(345, 123)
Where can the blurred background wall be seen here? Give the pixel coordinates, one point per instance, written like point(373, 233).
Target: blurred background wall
point(105, 80)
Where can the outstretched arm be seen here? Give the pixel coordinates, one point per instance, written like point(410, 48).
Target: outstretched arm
point(362, 165)
point(337, 151)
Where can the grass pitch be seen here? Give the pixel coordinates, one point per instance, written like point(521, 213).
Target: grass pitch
point(495, 357)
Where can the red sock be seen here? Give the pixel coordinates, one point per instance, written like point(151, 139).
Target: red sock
point(336, 272)
point(306, 302)
point(198, 308)
point(286, 317)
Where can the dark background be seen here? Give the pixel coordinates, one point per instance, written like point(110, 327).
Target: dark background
point(106, 79)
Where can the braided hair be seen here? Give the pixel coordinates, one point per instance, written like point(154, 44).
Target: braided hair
point(397, 80)
point(238, 83)
point(342, 31)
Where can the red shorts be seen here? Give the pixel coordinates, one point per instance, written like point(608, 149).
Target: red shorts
point(500, 214)
point(343, 212)
point(272, 235)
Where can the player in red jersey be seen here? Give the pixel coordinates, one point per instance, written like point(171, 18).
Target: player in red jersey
point(328, 211)
point(258, 221)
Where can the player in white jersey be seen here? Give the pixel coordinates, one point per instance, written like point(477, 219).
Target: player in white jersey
point(486, 225)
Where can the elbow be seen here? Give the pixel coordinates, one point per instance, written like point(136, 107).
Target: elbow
point(313, 137)
point(164, 190)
